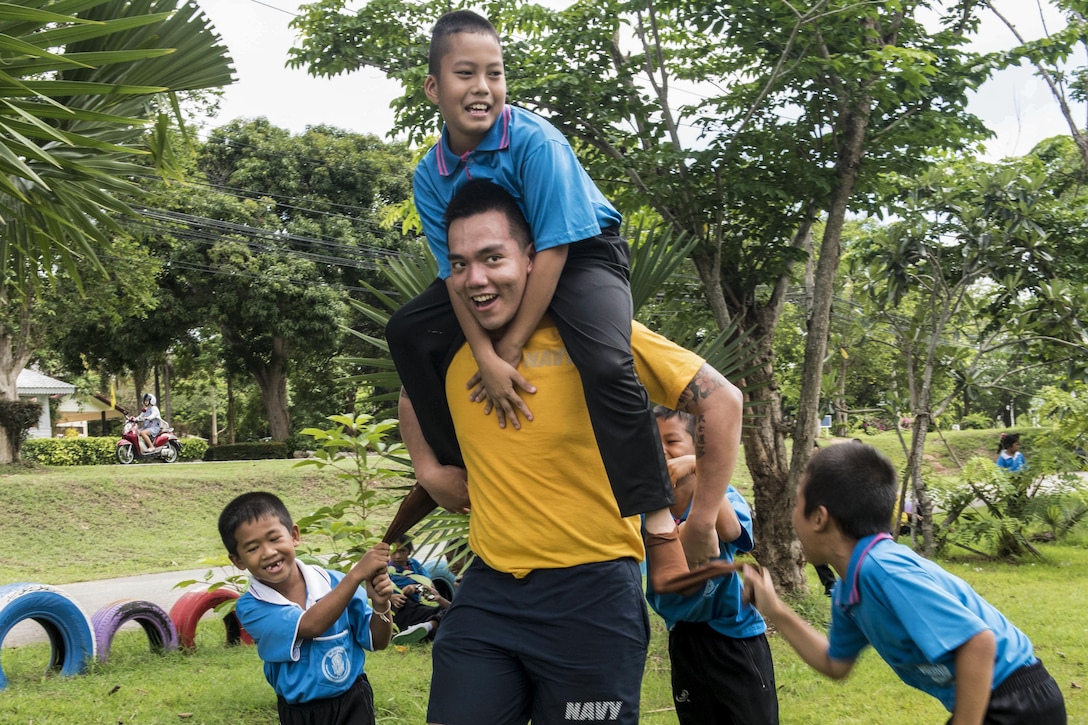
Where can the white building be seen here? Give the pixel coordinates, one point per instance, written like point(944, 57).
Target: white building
point(39, 387)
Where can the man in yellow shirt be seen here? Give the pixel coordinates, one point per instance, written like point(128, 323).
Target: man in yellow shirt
point(550, 622)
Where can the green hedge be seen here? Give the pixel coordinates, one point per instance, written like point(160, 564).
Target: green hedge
point(252, 451)
point(93, 451)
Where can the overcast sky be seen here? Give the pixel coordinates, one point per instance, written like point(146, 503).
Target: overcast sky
point(1015, 105)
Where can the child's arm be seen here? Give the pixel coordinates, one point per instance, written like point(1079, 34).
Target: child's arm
point(495, 371)
point(317, 619)
point(974, 679)
point(802, 636)
point(718, 407)
point(727, 524)
point(501, 391)
point(380, 590)
point(447, 485)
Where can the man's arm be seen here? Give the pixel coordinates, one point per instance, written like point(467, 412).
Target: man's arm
point(974, 679)
point(718, 406)
point(447, 485)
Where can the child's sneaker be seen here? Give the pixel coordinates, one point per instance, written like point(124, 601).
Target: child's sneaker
point(411, 635)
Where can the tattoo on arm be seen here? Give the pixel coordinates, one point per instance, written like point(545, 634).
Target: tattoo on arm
point(705, 382)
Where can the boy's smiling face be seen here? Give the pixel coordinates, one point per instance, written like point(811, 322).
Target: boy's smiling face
point(470, 90)
point(266, 549)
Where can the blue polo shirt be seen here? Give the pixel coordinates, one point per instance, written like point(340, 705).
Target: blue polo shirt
point(915, 615)
point(308, 669)
point(528, 157)
point(719, 603)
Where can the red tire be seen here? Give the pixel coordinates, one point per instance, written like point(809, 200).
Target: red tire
point(188, 610)
point(160, 629)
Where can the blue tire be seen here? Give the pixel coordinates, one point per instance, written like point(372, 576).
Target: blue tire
point(71, 638)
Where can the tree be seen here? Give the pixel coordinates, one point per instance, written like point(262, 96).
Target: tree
point(80, 88)
point(796, 113)
point(963, 242)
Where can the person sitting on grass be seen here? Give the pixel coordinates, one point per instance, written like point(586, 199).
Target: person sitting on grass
point(311, 625)
point(934, 630)
point(418, 608)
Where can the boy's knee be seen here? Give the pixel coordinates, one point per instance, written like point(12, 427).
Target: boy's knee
point(610, 369)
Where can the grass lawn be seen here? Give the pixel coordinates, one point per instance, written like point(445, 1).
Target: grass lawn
point(65, 525)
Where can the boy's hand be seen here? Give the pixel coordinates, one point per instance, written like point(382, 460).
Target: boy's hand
point(380, 589)
point(374, 562)
point(758, 588)
point(680, 467)
point(498, 381)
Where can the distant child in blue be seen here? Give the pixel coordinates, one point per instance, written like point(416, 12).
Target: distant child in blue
point(933, 629)
point(417, 608)
point(580, 278)
point(1009, 456)
point(311, 625)
point(722, 672)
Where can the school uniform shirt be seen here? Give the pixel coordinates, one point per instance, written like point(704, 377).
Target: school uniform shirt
point(540, 496)
point(532, 160)
point(719, 602)
point(301, 671)
point(1011, 463)
point(915, 615)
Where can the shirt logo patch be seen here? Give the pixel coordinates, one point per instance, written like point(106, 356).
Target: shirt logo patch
point(336, 665)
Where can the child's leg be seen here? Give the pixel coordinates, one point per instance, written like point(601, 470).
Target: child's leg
point(592, 309)
point(423, 336)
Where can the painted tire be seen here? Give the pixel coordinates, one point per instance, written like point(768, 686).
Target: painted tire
point(125, 454)
point(188, 610)
point(71, 638)
point(160, 630)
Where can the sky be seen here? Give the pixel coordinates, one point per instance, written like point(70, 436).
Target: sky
point(1016, 105)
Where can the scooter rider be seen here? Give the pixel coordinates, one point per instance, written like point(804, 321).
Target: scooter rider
point(152, 422)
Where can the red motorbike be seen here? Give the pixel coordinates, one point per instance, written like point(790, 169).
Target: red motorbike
point(167, 446)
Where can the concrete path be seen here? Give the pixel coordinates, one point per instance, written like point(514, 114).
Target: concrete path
point(93, 595)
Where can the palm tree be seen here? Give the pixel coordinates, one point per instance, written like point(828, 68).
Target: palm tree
point(86, 89)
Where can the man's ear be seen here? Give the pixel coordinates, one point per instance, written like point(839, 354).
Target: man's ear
point(430, 88)
point(531, 253)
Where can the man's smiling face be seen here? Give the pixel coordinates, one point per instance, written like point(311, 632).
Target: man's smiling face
point(489, 268)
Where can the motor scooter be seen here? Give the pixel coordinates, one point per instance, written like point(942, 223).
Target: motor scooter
point(167, 446)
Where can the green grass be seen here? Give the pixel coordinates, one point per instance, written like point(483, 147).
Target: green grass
point(167, 514)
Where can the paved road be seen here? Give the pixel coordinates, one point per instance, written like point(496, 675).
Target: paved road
point(91, 596)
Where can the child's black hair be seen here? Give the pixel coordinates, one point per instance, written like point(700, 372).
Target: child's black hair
point(458, 21)
point(480, 196)
point(856, 484)
point(250, 507)
point(663, 413)
point(1007, 439)
point(405, 541)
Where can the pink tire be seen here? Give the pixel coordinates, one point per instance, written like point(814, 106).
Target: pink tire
point(160, 630)
point(188, 610)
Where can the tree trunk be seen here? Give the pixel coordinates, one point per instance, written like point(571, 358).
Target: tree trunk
point(15, 353)
point(923, 503)
point(271, 376)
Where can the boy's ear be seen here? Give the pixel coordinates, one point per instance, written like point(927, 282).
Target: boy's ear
point(821, 519)
point(430, 88)
point(237, 561)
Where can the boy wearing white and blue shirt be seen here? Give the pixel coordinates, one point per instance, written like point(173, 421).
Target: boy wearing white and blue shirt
point(933, 629)
point(722, 671)
point(311, 625)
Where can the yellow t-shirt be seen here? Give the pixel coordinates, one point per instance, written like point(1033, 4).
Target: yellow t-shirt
point(540, 495)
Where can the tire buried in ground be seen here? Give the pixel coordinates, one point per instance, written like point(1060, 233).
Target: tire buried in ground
point(188, 610)
point(71, 638)
point(157, 624)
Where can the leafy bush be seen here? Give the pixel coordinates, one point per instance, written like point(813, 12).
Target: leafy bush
point(96, 451)
point(17, 417)
point(250, 451)
point(976, 421)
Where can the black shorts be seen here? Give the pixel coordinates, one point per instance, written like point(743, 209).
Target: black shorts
point(559, 645)
point(353, 707)
point(719, 680)
point(1029, 696)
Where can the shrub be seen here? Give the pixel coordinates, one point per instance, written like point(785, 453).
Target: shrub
point(250, 451)
point(97, 451)
point(17, 417)
point(976, 421)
